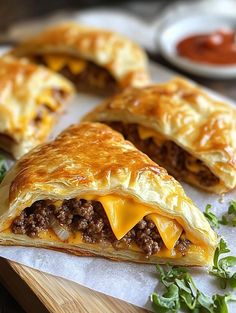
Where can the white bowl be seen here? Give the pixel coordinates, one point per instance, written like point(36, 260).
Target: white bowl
point(171, 33)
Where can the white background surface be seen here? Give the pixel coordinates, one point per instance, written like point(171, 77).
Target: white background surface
point(130, 282)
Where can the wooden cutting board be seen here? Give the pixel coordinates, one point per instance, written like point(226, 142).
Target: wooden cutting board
point(38, 292)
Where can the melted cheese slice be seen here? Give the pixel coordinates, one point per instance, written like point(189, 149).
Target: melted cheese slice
point(56, 62)
point(193, 165)
point(145, 133)
point(123, 214)
point(169, 229)
point(46, 98)
point(46, 103)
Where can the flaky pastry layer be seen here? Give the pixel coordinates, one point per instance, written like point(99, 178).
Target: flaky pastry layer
point(124, 59)
point(92, 159)
point(27, 94)
point(181, 112)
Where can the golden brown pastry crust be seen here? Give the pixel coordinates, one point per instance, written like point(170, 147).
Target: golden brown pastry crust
point(183, 113)
point(91, 158)
point(21, 86)
point(124, 59)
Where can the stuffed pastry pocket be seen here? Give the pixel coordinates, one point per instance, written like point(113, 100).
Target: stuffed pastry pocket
point(96, 60)
point(181, 128)
point(31, 98)
point(90, 192)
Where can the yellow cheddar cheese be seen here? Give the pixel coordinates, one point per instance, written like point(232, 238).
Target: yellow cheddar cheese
point(57, 61)
point(145, 133)
point(46, 98)
point(124, 213)
point(169, 229)
point(77, 66)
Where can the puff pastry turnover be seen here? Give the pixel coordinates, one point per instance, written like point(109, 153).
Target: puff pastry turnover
point(94, 59)
point(92, 193)
point(181, 128)
point(31, 97)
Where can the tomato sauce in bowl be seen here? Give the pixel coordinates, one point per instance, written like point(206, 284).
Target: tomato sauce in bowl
point(216, 48)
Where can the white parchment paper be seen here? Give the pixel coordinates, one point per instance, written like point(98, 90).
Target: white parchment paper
point(130, 282)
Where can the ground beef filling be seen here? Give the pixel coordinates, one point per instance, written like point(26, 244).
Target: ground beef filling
point(168, 155)
point(90, 219)
point(92, 78)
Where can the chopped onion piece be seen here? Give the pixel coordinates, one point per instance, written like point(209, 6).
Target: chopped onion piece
point(61, 231)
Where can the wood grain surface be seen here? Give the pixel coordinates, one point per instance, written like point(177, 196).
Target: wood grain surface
point(38, 292)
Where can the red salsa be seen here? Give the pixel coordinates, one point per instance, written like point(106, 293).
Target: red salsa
point(217, 48)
